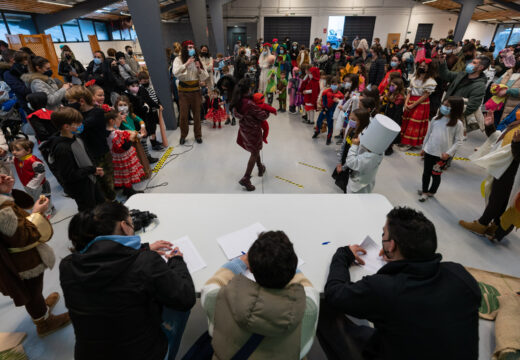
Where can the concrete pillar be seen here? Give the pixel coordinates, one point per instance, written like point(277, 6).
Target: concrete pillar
point(198, 20)
point(146, 17)
point(217, 23)
point(467, 7)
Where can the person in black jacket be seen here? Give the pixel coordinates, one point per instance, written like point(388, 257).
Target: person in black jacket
point(94, 135)
point(12, 78)
point(71, 69)
point(226, 85)
point(421, 308)
point(124, 300)
point(377, 68)
point(240, 65)
point(96, 69)
point(69, 159)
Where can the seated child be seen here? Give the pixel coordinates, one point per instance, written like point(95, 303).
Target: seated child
point(274, 296)
point(40, 118)
point(216, 112)
point(31, 172)
point(68, 155)
point(127, 168)
point(259, 99)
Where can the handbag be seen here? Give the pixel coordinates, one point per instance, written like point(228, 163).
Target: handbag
point(341, 179)
point(202, 349)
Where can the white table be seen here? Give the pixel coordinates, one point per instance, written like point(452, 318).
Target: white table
point(308, 221)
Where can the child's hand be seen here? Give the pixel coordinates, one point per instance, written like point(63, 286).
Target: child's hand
point(99, 172)
point(133, 136)
point(143, 132)
point(502, 93)
point(444, 156)
point(339, 168)
point(41, 205)
point(355, 141)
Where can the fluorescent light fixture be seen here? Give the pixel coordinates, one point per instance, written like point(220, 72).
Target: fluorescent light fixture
point(429, 1)
point(55, 3)
point(488, 20)
point(124, 13)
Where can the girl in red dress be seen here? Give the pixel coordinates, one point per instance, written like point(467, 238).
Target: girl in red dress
point(127, 168)
point(417, 105)
point(216, 112)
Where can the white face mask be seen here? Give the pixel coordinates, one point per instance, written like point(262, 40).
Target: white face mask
point(448, 51)
point(348, 85)
point(123, 109)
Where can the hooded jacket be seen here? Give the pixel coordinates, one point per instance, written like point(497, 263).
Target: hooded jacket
point(421, 309)
point(42, 83)
point(115, 295)
point(13, 78)
point(250, 118)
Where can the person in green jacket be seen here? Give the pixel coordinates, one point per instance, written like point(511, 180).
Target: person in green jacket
point(469, 84)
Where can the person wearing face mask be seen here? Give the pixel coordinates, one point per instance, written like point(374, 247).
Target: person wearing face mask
point(71, 69)
point(263, 62)
point(393, 106)
point(240, 65)
point(112, 275)
point(449, 54)
point(69, 157)
point(96, 69)
point(124, 69)
point(394, 299)
point(329, 100)
point(445, 135)
point(465, 57)
point(207, 62)
point(40, 80)
point(336, 62)
point(469, 84)
point(395, 66)
point(293, 54)
point(13, 78)
point(283, 60)
point(512, 80)
point(417, 105)
point(188, 69)
point(131, 60)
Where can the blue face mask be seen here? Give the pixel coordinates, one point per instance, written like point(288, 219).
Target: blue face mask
point(352, 124)
point(334, 88)
point(97, 61)
point(394, 64)
point(191, 52)
point(470, 68)
point(79, 130)
point(445, 110)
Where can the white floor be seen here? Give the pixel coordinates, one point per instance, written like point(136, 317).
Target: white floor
point(216, 166)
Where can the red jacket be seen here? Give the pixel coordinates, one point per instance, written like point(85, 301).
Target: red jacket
point(328, 96)
point(311, 84)
point(25, 169)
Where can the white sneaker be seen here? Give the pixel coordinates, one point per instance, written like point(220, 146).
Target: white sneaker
point(423, 198)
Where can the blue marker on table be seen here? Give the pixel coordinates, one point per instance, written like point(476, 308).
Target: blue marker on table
point(325, 243)
point(243, 253)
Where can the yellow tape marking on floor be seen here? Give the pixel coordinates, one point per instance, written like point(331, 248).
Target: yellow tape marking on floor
point(289, 181)
point(455, 158)
point(161, 162)
point(311, 166)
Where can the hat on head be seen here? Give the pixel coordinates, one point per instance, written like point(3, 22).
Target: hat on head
point(186, 43)
point(258, 98)
point(379, 134)
point(266, 44)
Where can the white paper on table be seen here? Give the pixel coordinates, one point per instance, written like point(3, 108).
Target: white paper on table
point(190, 254)
point(248, 274)
point(238, 243)
point(373, 262)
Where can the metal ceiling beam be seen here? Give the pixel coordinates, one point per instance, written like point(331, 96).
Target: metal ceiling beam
point(46, 21)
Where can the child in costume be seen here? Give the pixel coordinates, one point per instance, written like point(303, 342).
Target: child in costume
point(283, 60)
point(263, 63)
point(259, 100)
point(496, 102)
point(272, 80)
point(329, 100)
point(310, 88)
point(281, 89)
point(31, 172)
point(216, 112)
point(294, 85)
point(40, 119)
point(392, 105)
point(348, 105)
point(127, 168)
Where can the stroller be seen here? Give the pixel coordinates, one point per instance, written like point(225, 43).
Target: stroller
point(10, 117)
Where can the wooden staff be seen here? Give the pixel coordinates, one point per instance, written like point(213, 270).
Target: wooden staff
point(164, 138)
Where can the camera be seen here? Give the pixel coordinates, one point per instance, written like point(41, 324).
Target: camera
point(141, 219)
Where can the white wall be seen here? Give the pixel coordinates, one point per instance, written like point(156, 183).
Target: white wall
point(392, 16)
point(83, 52)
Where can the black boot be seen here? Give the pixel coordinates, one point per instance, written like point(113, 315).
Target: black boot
point(156, 145)
point(233, 122)
point(152, 160)
point(316, 133)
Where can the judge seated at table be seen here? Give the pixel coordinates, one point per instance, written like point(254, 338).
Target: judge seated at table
point(421, 308)
point(124, 300)
point(271, 318)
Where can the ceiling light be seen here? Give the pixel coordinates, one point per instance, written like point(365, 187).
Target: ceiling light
point(429, 1)
point(54, 3)
point(124, 13)
point(488, 20)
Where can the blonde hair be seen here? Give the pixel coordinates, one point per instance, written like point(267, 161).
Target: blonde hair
point(78, 92)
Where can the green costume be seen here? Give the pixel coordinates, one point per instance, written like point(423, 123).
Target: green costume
point(282, 96)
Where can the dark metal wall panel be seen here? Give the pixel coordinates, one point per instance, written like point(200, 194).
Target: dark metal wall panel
point(361, 26)
point(297, 28)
